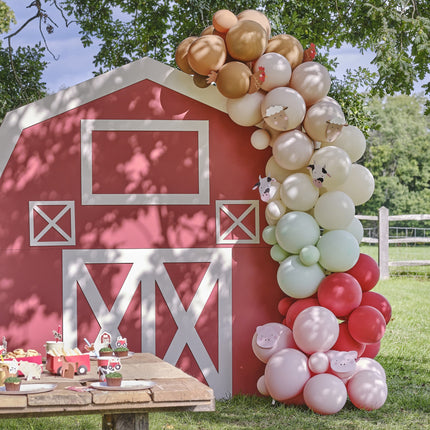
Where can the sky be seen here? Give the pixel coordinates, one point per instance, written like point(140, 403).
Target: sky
point(74, 63)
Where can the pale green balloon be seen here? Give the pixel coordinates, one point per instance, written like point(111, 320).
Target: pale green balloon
point(309, 255)
point(297, 280)
point(295, 230)
point(277, 253)
point(339, 250)
point(269, 234)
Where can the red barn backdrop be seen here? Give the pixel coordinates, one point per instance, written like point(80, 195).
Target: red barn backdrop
point(127, 206)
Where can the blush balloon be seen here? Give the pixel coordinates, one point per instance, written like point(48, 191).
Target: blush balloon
point(367, 390)
point(341, 293)
point(286, 374)
point(261, 386)
point(366, 324)
point(366, 271)
point(367, 363)
point(318, 362)
point(315, 330)
point(379, 302)
point(345, 342)
point(325, 394)
point(297, 307)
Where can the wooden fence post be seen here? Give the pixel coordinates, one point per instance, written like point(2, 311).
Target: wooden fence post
point(383, 235)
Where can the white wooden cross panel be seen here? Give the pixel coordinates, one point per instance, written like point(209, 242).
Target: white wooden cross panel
point(148, 270)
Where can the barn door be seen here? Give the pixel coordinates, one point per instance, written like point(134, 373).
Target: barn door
point(148, 269)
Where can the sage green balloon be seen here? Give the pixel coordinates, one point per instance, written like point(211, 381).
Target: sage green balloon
point(339, 250)
point(297, 280)
point(295, 230)
point(309, 255)
point(278, 254)
point(269, 234)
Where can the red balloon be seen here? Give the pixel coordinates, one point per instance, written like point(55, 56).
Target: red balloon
point(371, 350)
point(340, 293)
point(366, 324)
point(345, 342)
point(379, 302)
point(284, 304)
point(366, 271)
point(298, 306)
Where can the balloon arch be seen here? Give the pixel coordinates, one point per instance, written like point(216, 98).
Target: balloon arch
point(323, 352)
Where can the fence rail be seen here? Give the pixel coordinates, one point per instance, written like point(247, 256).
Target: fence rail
point(383, 239)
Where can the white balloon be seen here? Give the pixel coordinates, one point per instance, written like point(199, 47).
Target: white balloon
point(351, 140)
point(277, 70)
point(246, 110)
point(293, 149)
point(356, 229)
point(329, 167)
point(333, 210)
point(359, 184)
point(298, 192)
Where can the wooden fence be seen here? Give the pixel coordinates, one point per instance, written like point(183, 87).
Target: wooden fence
point(383, 240)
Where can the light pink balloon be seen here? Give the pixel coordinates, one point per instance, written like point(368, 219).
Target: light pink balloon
point(261, 386)
point(286, 374)
point(270, 338)
point(315, 329)
point(325, 394)
point(366, 363)
point(318, 362)
point(367, 390)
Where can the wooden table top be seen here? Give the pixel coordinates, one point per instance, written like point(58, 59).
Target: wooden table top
point(174, 389)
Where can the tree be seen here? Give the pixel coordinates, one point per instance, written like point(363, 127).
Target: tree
point(20, 71)
point(398, 155)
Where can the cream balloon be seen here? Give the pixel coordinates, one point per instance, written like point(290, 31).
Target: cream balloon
point(274, 170)
point(356, 229)
point(324, 121)
point(359, 185)
point(277, 70)
point(333, 210)
point(352, 140)
point(311, 80)
point(246, 110)
point(298, 193)
point(283, 109)
point(293, 149)
point(260, 139)
point(329, 167)
point(276, 209)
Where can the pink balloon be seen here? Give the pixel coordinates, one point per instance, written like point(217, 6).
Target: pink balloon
point(315, 330)
point(286, 374)
point(318, 362)
point(325, 394)
point(366, 324)
point(271, 338)
point(367, 390)
point(261, 386)
point(366, 363)
point(298, 306)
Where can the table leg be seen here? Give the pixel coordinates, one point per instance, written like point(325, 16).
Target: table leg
point(125, 422)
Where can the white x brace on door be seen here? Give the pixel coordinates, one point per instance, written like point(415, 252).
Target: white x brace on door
point(147, 269)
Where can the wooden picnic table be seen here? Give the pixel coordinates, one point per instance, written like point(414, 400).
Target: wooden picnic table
point(174, 390)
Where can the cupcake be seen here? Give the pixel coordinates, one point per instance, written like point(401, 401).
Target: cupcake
point(106, 352)
point(121, 351)
point(12, 383)
point(113, 379)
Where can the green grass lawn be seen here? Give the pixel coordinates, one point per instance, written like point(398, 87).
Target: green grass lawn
point(405, 356)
